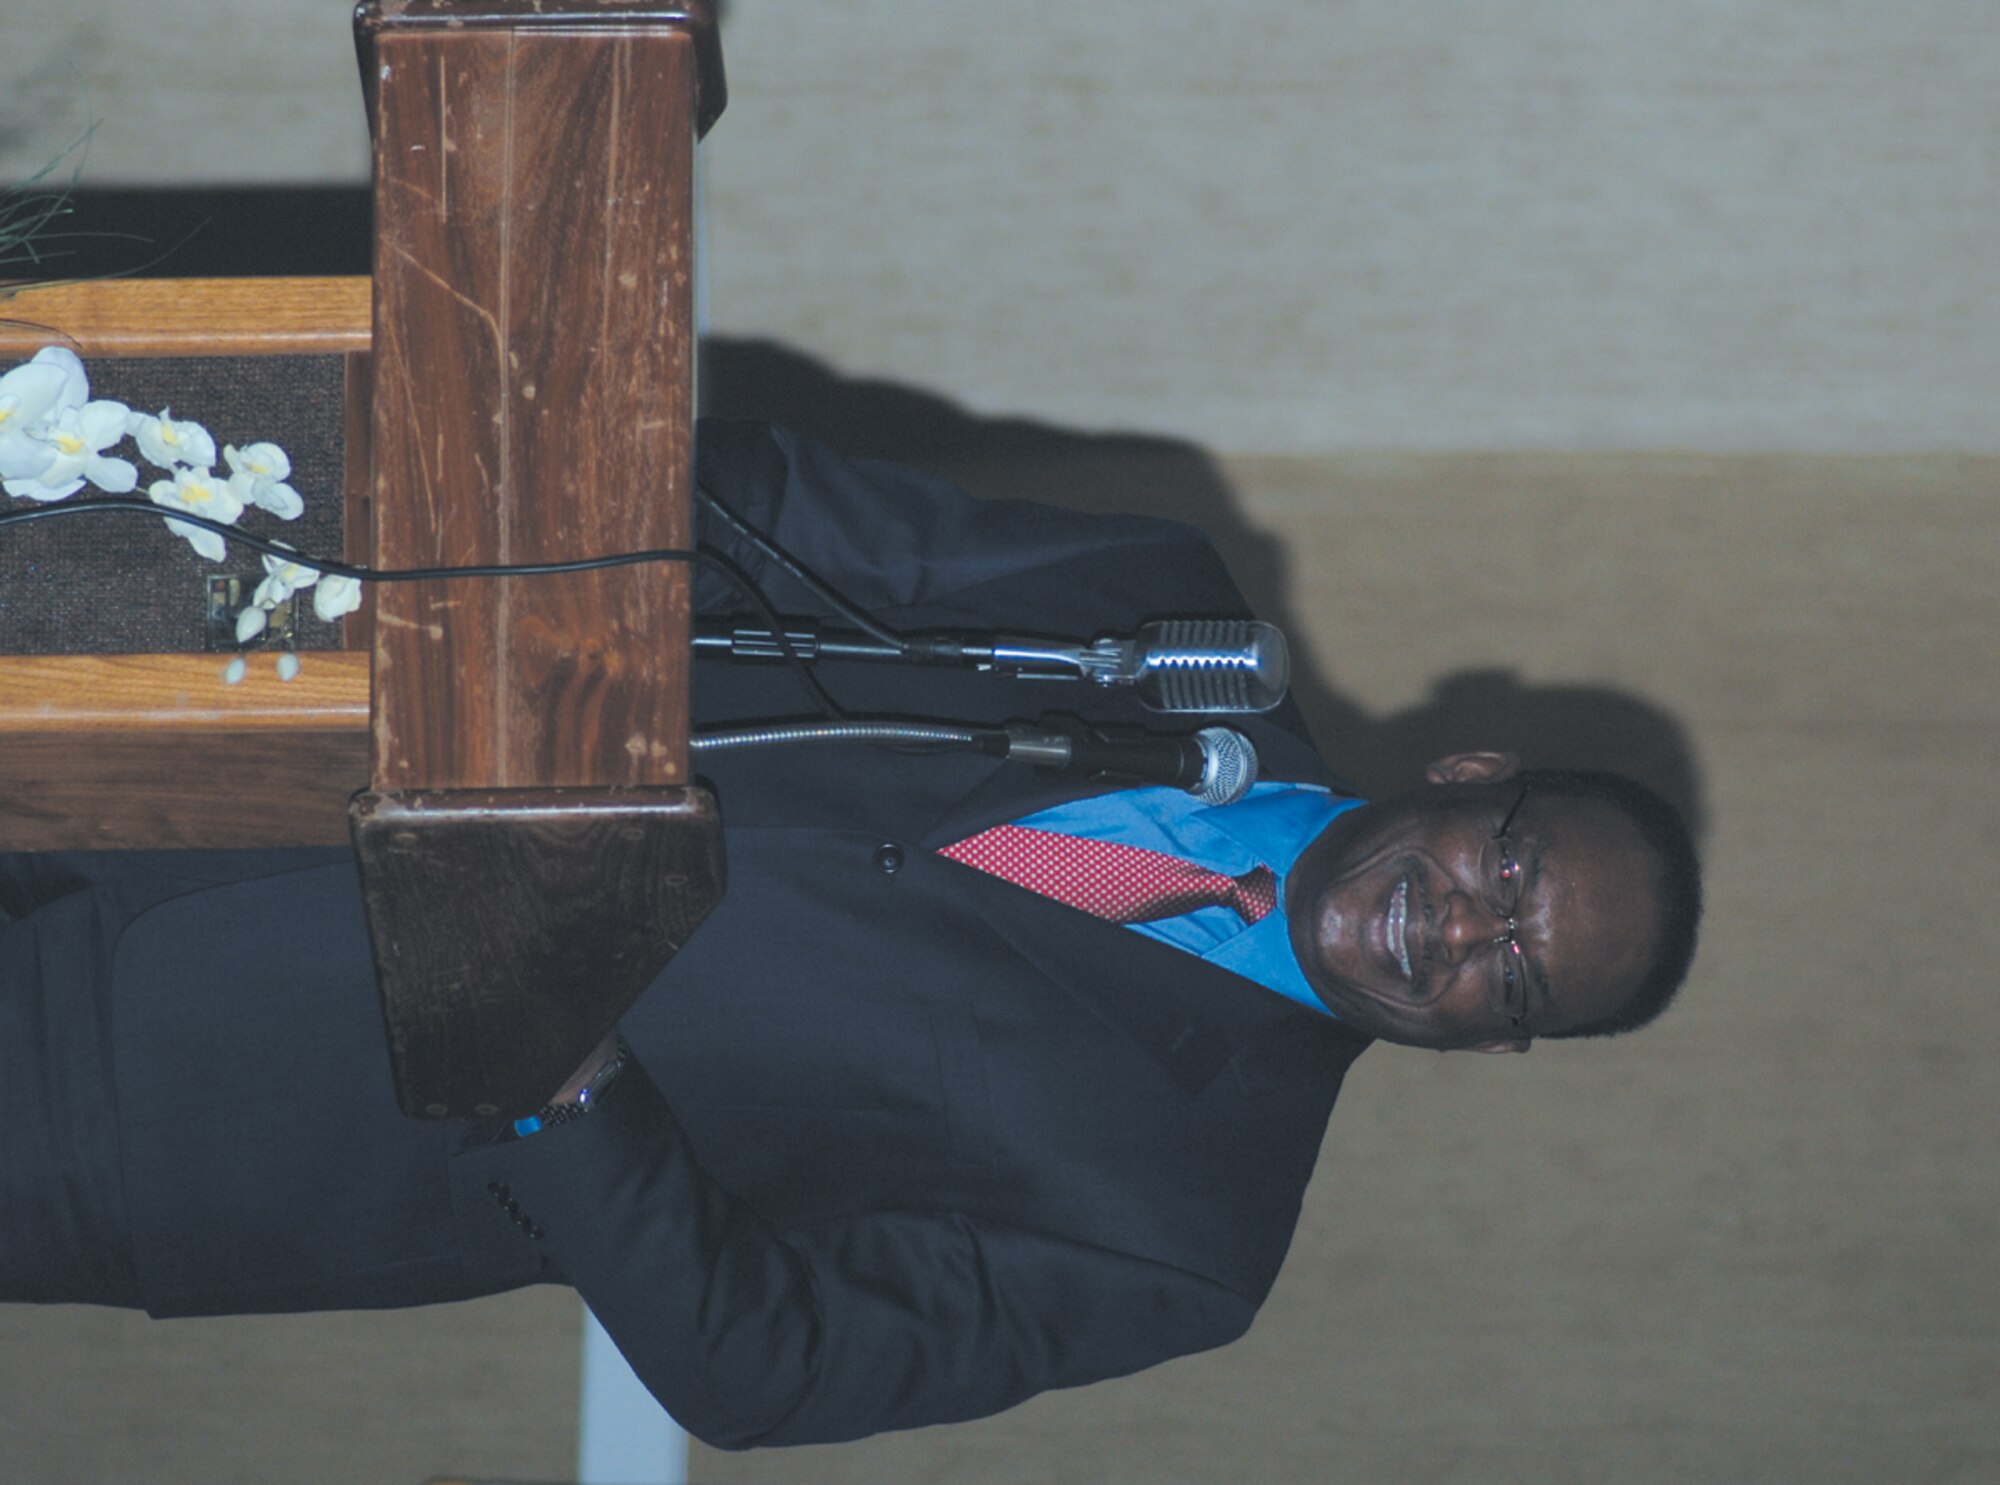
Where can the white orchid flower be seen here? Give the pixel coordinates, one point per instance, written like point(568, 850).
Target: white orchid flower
point(169, 441)
point(53, 440)
point(257, 474)
point(78, 437)
point(282, 578)
point(76, 381)
point(201, 493)
point(336, 595)
point(32, 396)
point(28, 396)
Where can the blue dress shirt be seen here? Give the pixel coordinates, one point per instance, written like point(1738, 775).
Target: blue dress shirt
point(1272, 824)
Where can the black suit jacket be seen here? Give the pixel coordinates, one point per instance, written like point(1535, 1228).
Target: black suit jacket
point(902, 1143)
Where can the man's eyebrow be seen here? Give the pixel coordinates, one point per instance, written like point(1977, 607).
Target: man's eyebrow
point(1537, 854)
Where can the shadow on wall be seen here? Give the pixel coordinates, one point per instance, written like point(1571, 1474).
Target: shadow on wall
point(206, 232)
point(1554, 726)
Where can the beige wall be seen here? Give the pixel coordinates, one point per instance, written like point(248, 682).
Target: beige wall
point(1298, 227)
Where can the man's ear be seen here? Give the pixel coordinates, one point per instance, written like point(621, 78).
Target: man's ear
point(1473, 768)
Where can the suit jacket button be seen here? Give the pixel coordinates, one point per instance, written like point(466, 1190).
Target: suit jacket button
point(889, 858)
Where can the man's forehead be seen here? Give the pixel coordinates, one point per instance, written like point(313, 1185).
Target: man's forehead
point(1594, 899)
point(1589, 832)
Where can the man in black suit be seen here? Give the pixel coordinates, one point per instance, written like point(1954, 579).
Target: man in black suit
point(893, 1140)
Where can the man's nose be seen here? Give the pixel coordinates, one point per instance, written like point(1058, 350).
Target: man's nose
point(1468, 925)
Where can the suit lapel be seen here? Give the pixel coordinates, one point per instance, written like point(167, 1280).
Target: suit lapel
point(1190, 1017)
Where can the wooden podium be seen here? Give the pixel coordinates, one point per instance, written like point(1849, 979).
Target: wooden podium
point(530, 821)
point(532, 849)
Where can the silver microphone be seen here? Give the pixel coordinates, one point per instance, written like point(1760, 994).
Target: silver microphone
point(1175, 665)
point(1228, 765)
point(1197, 665)
point(1217, 764)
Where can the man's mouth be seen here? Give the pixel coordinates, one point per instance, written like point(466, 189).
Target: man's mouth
point(1398, 924)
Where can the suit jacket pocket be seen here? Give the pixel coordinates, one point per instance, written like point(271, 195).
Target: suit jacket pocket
point(809, 1102)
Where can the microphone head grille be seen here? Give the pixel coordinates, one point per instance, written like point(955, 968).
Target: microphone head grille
point(1229, 765)
point(1212, 665)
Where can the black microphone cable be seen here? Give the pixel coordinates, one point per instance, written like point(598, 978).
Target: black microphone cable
point(832, 597)
point(703, 552)
point(283, 553)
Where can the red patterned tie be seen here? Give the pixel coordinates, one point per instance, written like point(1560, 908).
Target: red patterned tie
point(1124, 884)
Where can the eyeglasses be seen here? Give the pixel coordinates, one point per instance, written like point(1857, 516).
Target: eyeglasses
point(1500, 876)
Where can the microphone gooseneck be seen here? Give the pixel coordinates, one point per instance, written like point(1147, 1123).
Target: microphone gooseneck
point(1217, 764)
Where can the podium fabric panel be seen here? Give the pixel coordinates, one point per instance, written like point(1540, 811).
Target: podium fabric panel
point(121, 584)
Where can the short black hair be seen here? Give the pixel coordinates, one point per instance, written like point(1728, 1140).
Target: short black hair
point(1678, 895)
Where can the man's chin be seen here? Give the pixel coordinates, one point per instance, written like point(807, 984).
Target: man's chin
point(1355, 1009)
point(1359, 1011)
